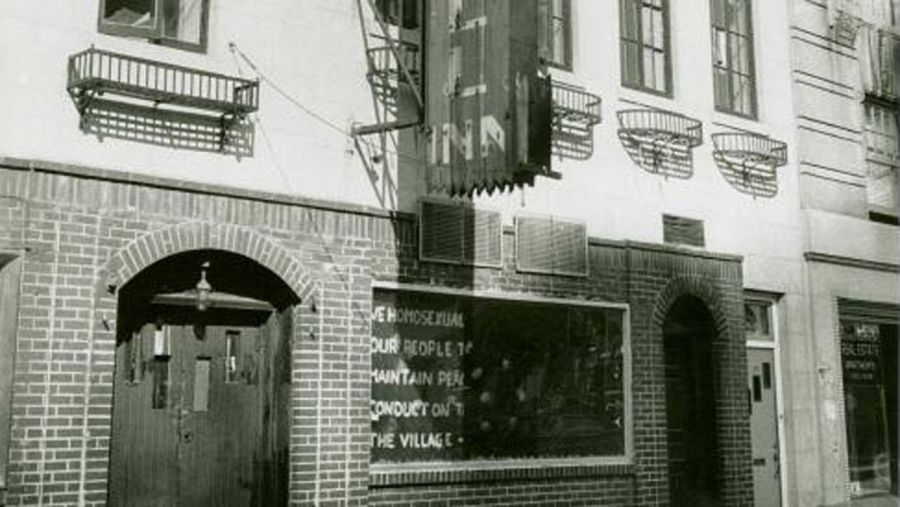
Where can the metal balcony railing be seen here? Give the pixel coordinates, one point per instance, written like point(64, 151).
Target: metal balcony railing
point(93, 72)
point(574, 104)
point(660, 126)
point(749, 148)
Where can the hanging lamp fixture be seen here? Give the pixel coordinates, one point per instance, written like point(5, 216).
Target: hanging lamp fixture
point(203, 289)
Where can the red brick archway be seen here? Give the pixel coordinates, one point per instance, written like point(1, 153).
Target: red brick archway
point(154, 246)
point(726, 378)
point(124, 265)
point(697, 287)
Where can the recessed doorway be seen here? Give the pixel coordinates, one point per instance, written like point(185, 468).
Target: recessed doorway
point(201, 392)
point(693, 453)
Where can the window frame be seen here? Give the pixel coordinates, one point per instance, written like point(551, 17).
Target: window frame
point(156, 33)
point(666, 50)
point(730, 70)
point(857, 312)
point(546, 47)
point(878, 213)
point(408, 472)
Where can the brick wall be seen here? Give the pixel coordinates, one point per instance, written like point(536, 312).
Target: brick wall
point(83, 234)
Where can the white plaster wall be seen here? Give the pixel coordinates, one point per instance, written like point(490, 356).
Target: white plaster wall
point(312, 49)
point(619, 200)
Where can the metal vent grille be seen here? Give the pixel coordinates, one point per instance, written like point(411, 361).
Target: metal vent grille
point(683, 231)
point(551, 246)
point(458, 234)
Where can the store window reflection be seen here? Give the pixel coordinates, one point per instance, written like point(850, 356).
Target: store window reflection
point(869, 357)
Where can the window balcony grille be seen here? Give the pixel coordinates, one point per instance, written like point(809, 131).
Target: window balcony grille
point(575, 111)
point(93, 73)
point(660, 141)
point(573, 104)
point(748, 161)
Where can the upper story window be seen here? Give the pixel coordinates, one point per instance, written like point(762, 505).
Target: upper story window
point(645, 50)
point(402, 13)
point(882, 161)
point(555, 32)
point(178, 23)
point(734, 81)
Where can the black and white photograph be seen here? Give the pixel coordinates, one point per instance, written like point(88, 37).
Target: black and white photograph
point(441, 253)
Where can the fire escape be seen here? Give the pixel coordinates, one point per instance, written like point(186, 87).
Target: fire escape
point(392, 38)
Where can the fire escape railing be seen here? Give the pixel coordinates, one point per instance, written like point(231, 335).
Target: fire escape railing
point(93, 72)
point(393, 68)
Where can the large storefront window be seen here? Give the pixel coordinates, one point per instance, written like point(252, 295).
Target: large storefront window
point(460, 377)
point(869, 358)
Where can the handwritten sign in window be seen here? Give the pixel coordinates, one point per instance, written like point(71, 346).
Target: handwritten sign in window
point(457, 377)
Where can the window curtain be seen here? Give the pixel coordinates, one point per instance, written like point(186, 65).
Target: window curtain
point(879, 61)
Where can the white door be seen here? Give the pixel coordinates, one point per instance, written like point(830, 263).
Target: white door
point(762, 402)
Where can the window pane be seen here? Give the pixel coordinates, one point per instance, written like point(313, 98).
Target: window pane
point(718, 13)
point(739, 20)
point(182, 20)
point(659, 30)
point(559, 41)
point(629, 23)
point(720, 48)
point(631, 61)
point(659, 71)
point(739, 55)
point(869, 360)
point(742, 94)
point(881, 186)
point(647, 26)
point(136, 13)
point(458, 378)
point(720, 82)
point(756, 321)
point(557, 8)
point(648, 63)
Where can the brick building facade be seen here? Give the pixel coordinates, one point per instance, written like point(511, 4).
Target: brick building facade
point(81, 234)
point(659, 322)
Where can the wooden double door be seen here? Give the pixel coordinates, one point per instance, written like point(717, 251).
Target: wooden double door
point(201, 407)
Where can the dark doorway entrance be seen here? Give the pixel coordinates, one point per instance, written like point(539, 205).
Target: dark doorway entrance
point(693, 458)
point(201, 397)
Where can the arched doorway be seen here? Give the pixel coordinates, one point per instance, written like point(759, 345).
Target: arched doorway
point(688, 332)
point(201, 391)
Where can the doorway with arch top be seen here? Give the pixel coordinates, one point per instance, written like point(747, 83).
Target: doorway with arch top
point(691, 428)
point(201, 388)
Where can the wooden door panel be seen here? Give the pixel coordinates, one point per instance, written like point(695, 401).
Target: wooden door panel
point(217, 445)
point(144, 444)
point(186, 432)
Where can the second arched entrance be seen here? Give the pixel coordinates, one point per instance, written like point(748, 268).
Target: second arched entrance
point(693, 453)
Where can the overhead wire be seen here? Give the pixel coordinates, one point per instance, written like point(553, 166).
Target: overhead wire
point(278, 166)
point(349, 136)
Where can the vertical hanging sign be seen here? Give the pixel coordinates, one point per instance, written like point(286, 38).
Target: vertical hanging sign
point(487, 107)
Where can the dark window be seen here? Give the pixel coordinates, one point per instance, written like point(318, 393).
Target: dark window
point(403, 13)
point(555, 32)
point(645, 52)
point(734, 79)
point(756, 321)
point(683, 231)
point(458, 377)
point(178, 23)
